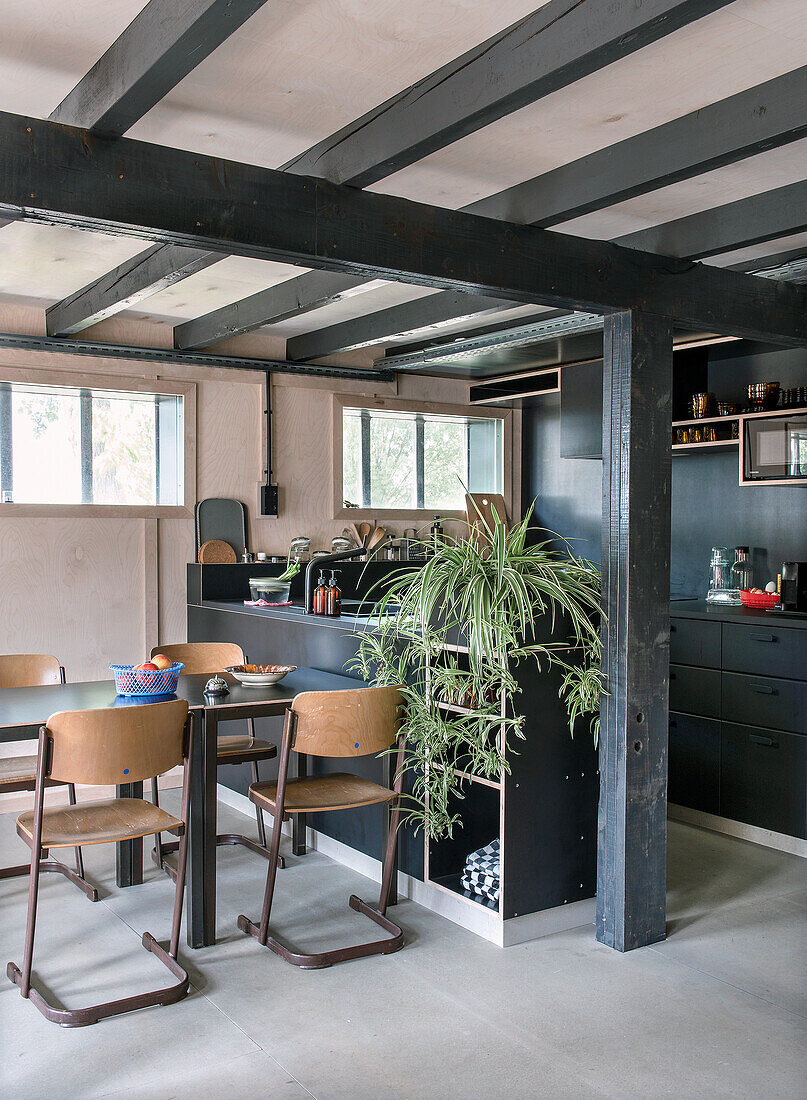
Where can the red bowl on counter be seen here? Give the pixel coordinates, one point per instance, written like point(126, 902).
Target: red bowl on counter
point(765, 600)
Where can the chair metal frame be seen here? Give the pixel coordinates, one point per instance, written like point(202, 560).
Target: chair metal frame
point(321, 959)
point(23, 976)
point(249, 756)
point(50, 864)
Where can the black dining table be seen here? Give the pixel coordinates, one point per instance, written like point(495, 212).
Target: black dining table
point(24, 710)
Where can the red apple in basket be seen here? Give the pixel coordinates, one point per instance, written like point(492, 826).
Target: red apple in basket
point(147, 666)
point(160, 661)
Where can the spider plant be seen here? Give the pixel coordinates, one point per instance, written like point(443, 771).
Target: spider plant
point(488, 588)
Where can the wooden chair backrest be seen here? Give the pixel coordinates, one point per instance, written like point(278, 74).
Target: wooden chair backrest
point(346, 723)
point(117, 744)
point(203, 657)
point(20, 670)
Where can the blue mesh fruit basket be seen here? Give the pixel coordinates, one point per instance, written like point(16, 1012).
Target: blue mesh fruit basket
point(143, 681)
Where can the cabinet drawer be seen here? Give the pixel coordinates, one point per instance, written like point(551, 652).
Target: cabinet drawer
point(765, 650)
point(763, 778)
point(765, 701)
point(694, 763)
point(695, 690)
point(695, 642)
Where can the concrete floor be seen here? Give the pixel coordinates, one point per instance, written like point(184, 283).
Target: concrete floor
point(717, 1010)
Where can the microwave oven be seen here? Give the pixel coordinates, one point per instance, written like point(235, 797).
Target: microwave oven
point(774, 448)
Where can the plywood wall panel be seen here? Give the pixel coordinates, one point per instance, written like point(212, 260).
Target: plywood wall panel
point(74, 588)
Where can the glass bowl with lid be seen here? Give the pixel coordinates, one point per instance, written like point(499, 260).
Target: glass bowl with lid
point(269, 589)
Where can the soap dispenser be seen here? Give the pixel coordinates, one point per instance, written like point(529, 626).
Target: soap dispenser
point(334, 599)
point(321, 595)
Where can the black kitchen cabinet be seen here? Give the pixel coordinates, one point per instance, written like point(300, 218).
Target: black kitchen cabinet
point(695, 690)
point(765, 650)
point(738, 717)
point(694, 762)
point(765, 701)
point(695, 642)
point(763, 778)
point(581, 410)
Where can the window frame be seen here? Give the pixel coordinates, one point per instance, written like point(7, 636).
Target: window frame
point(124, 384)
point(354, 401)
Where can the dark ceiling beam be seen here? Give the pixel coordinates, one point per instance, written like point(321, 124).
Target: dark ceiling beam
point(312, 290)
point(436, 344)
point(64, 176)
point(751, 122)
point(764, 217)
point(516, 333)
point(765, 117)
point(25, 342)
point(553, 47)
point(400, 320)
point(549, 49)
point(161, 45)
point(772, 261)
point(737, 224)
point(160, 266)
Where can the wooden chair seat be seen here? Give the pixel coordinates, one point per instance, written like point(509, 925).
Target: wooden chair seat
point(241, 748)
point(112, 819)
point(319, 793)
point(18, 769)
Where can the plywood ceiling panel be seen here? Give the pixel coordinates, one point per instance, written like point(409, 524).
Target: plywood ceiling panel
point(300, 69)
point(734, 181)
point(46, 46)
point(709, 60)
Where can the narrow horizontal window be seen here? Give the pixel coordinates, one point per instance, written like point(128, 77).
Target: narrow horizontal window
point(408, 460)
point(71, 445)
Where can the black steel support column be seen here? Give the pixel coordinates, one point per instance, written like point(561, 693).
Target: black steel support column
point(632, 834)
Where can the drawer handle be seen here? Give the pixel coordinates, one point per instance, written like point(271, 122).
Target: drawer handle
point(763, 689)
point(767, 741)
point(764, 637)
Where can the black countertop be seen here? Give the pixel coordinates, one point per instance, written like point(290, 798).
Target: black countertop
point(348, 621)
point(700, 609)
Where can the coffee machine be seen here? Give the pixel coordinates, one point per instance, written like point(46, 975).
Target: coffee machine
point(794, 586)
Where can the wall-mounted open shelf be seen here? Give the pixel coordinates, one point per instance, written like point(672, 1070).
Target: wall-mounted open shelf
point(724, 423)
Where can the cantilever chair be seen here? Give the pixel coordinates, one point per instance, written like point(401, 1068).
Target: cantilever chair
point(99, 747)
point(18, 773)
point(207, 658)
point(337, 724)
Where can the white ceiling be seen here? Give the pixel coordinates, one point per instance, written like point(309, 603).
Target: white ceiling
point(300, 69)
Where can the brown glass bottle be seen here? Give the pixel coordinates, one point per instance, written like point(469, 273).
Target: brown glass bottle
point(334, 600)
point(321, 596)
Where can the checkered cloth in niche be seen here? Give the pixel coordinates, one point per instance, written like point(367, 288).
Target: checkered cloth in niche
point(480, 875)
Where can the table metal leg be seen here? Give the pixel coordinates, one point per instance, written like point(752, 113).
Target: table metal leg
point(299, 821)
point(201, 895)
point(129, 853)
point(389, 780)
